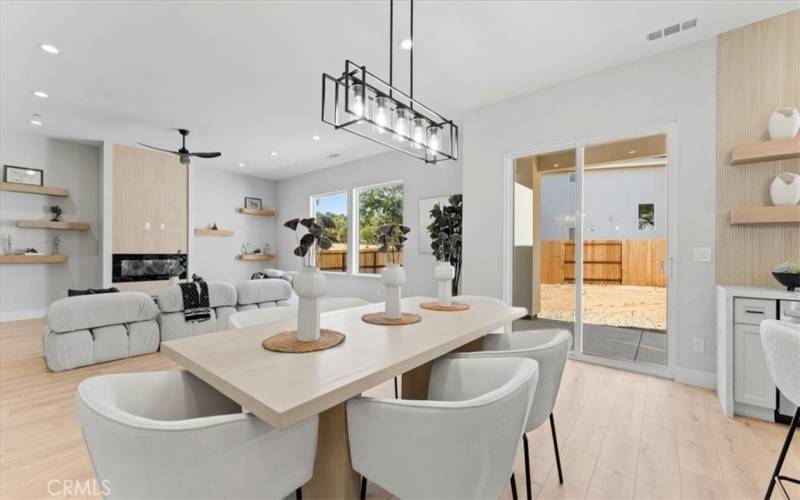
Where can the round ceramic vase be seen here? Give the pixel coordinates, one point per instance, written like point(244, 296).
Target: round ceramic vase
point(393, 277)
point(309, 285)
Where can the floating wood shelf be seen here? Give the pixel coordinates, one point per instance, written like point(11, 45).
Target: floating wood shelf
point(25, 188)
point(32, 259)
point(253, 211)
point(256, 256)
point(204, 231)
point(46, 224)
point(781, 149)
point(765, 215)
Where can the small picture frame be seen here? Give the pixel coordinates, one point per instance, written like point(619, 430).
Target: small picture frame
point(23, 175)
point(252, 203)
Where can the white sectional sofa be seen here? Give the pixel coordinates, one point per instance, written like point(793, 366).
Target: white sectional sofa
point(90, 329)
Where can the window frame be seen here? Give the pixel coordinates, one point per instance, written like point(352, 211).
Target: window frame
point(356, 226)
point(313, 213)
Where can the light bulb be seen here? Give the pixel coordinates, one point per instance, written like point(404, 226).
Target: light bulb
point(381, 114)
point(433, 139)
point(357, 104)
point(419, 133)
point(402, 121)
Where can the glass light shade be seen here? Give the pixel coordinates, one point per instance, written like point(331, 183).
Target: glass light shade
point(402, 124)
point(434, 140)
point(381, 114)
point(419, 133)
point(357, 101)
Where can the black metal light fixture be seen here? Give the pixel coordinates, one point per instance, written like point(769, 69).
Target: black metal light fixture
point(364, 104)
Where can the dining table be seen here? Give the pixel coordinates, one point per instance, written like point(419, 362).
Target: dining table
point(283, 389)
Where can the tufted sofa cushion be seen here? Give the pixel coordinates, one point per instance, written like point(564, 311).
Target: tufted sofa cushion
point(219, 294)
point(93, 311)
point(259, 291)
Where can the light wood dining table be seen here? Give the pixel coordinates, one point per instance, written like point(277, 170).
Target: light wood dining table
point(283, 389)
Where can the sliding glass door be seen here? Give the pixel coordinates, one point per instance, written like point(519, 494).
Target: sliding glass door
point(590, 246)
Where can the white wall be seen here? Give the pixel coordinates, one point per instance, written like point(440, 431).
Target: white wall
point(215, 197)
point(611, 201)
point(419, 180)
point(27, 290)
point(678, 86)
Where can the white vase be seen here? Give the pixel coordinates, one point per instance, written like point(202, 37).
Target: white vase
point(393, 277)
point(173, 280)
point(784, 123)
point(785, 189)
point(444, 273)
point(309, 284)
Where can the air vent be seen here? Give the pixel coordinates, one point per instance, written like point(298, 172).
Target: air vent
point(671, 30)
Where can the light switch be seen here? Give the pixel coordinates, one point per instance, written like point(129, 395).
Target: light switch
point(702, 254)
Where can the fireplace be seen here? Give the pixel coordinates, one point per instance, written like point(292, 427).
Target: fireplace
point(133, 267)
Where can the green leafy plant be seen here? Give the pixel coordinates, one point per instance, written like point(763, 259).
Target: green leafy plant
point(392, 238)
point(311, 244)
point(788, 267)
point(178, 266)
point(445, 231)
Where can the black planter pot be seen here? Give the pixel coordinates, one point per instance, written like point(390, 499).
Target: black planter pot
point(789, 280)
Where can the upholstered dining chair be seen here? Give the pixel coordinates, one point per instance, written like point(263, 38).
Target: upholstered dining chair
point(440, 447)
point(781, 343)
point(170, 435)
point(549, 348)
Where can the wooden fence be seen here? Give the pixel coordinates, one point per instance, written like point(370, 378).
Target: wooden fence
point(624, 262)
point(370, 261)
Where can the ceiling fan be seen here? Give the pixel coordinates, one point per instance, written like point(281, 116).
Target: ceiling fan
point(183, 153)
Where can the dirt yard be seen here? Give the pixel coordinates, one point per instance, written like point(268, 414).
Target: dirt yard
point(612, 305)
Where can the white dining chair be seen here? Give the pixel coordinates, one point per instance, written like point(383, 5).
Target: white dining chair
point(549, 348)
point(781, 343)
point(460, 443)
point(170, 435)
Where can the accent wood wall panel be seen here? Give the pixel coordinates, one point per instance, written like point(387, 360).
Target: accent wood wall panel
point(149, 187)
point(758, 70)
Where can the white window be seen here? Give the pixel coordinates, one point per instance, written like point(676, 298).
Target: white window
point(333, 206)
point(375, 207)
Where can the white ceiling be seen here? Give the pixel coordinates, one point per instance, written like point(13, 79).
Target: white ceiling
point(244, 77)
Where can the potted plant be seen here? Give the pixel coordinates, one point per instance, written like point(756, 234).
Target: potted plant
point(309, 284)
point(445, 231)
point(177, 268)
point(391, 239)
point(788, 275)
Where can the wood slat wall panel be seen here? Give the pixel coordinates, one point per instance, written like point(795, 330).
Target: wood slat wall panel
point(758, 70)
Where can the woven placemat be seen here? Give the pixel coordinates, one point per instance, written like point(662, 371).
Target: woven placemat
point(453, 307)
point(287, 342)
point(381, 319)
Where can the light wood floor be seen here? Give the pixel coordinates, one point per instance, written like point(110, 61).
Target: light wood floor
point(622, 435)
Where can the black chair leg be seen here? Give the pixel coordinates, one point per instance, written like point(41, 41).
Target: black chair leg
point(363, 487)
point(298, 494)
point(396, 394)
point(555, 445)
point(776, 475)
point(513, 487)
point(527, 465)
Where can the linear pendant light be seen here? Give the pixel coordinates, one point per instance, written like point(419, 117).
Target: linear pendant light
point(363, 104)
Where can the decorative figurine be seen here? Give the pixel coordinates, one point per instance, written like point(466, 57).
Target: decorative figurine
point(214, 226)
point(56, 243)
point(57, 213)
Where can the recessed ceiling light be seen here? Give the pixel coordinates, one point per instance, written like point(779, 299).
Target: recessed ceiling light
point(632, 152)
point(39, 93)
point(556, 165)
point(273, 153)
point(34, 121)
point(316, 137)
point(406, 44)
point(241, 164)
point(30, 172)
point(50, 49)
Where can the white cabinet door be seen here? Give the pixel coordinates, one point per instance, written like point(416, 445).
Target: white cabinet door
point(751, 381)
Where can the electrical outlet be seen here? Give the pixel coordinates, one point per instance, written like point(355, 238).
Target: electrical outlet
point(702, 254)
point(698, 345)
